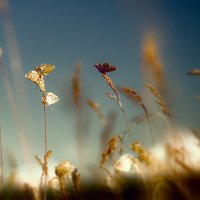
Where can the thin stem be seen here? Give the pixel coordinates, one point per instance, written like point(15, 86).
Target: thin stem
point(1, 158)
point(127, 124)
point(133, 124)
point(150, 129)
point(45, 131)
point(45, 150)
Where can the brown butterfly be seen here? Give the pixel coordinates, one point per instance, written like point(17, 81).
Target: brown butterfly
point(44, 69)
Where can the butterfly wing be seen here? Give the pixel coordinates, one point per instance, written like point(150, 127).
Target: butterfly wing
point(49, 98)
point(46, 69)
point(32, 76)
point(37, 78)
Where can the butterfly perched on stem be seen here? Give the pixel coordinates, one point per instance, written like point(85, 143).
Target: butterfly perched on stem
point(49, 98)
point(36, 78)
point(38, 75)
point(44, 69)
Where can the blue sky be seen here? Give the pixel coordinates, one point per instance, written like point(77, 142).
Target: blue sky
point(66, 32)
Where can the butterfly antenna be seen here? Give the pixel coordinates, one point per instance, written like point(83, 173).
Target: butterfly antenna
point(50, 107)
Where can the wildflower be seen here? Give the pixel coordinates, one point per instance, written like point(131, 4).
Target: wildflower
point(103, 69)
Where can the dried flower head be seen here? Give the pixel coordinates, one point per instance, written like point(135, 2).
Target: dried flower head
point(105, 67)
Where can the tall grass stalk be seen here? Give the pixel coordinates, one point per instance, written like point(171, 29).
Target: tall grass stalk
point(126, 121)
point(45, 150)
point(15, 114)
point(1, 146)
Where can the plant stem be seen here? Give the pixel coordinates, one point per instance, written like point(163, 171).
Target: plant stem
point(150, 129)
point(45, 150)
point(1, 158)
point(127, 124)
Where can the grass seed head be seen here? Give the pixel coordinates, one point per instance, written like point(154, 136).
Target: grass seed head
point(76, 89)
point(152, 61)
point(96, 107)
point(112, 145)
point(160, 101)
point(194, 72)
point(143, 156)
point(133, 95)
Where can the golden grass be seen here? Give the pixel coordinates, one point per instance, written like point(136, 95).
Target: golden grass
point(159, 100)
point(147, 176)
point(194, 72)
point(96, 107)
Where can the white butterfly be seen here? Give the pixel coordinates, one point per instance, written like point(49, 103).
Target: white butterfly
point(37, 78)
point(49, 98)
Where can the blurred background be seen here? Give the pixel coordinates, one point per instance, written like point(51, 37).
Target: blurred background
point(68, 33)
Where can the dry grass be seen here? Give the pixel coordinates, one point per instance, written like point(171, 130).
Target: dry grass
point(194, 72)
point(136, 175)
point(151, 62)
point(96, 107)
point(159, 100)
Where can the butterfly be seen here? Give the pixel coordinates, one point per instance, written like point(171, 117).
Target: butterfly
point(44, 69)
point(49, 98)
point(37, 78)
point(105, 67)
